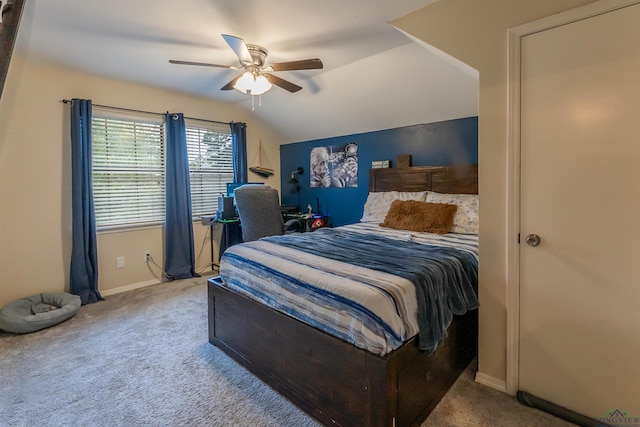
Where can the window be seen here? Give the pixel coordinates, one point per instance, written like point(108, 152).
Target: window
point(129, 167)
point(210, 164)
point(128, 171)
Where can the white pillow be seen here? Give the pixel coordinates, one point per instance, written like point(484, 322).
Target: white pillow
point(420, 196)
point(378, 203)
point(466, 219)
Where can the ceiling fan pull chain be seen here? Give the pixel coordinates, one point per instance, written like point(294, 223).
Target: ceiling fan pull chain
point(252, 105)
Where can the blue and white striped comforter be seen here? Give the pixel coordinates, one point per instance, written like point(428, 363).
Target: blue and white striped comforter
point(367, 285)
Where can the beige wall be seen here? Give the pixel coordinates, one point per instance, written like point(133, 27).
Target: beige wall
point(475, 32)
point(35, 177)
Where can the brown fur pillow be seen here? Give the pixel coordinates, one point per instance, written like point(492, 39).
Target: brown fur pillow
point(420, 216)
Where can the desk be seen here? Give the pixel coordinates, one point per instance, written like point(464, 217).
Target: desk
point(231, 235)
point(309, 223)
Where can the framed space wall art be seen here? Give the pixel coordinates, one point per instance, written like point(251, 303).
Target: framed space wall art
point(334, 166)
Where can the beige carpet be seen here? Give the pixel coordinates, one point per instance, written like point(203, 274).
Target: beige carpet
point(471, 404)
point(142, 358)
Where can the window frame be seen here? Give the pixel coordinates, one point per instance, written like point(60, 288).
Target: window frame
point(142, 119)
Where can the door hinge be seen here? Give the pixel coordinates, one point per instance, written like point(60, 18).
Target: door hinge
point(518, 238)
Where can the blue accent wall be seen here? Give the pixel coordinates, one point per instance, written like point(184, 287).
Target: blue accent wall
point(451, 142)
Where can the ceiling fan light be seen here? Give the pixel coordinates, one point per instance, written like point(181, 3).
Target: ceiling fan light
point(245, 83)
point(252, 85)
point(260, 85)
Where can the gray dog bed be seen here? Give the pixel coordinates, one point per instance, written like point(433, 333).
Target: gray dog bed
point(37, 312)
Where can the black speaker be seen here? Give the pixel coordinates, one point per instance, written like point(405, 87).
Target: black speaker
point(225, 208)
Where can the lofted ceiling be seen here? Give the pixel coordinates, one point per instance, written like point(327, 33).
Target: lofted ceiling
point(374, 77)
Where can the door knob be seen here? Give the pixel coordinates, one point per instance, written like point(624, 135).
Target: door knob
point(533, 240)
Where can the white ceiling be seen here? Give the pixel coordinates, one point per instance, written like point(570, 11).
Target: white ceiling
point(374, 77)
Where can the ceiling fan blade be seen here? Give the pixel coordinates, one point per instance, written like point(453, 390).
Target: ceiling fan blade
point(239, 47)
point(229, 86)
point(304, 64)
point(173, 61)
point(286, 85)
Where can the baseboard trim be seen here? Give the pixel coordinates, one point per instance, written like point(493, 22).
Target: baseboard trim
point(142, 285)
point(492, 382)
point(129, 287)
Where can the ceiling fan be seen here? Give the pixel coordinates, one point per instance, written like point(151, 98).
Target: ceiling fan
point(258, 76)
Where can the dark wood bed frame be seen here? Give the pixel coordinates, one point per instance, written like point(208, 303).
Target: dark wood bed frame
point(334, 381)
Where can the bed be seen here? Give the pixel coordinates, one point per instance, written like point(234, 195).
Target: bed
point(336, 381)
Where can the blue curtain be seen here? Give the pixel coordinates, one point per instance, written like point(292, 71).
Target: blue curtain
point(84, 255)
point(179, 258)
point(239, 152)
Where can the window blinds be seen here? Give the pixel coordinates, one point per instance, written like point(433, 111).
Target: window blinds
point(129, 168)
point(128, 171)
point(210, 164)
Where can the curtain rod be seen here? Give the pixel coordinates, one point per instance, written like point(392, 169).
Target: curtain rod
point(69, 101)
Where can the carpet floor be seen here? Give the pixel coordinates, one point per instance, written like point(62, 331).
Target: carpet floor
point(142, 358)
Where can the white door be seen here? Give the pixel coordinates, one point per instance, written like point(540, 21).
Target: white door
point(580, 193)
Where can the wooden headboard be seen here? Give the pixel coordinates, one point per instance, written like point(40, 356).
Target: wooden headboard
point(441, 179)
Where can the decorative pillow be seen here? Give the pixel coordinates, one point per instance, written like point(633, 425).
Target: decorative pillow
point(466, 219)
point(413, 215)
point(378, 203)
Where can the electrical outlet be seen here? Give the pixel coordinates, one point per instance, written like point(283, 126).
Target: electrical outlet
point(147, 256)
point(120, 262)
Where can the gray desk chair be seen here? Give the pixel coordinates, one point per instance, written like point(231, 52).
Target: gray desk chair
point(260, 213)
